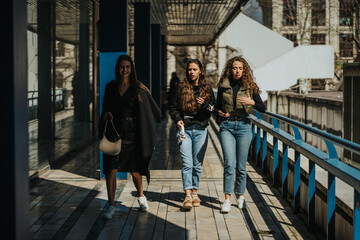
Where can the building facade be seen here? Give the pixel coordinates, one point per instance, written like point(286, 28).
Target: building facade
point(316, 22)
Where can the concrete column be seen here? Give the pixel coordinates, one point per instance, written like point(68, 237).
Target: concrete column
point(45, 107)
point(156, 63)
point(14, 164)
point(351, 115)
point(113, 29)
point(113, 41)
point(222, 52)
point(82, 113)
point(333, 21)
point(143, 43)
point(164, 60)
point(277, 16)
point(304, 21)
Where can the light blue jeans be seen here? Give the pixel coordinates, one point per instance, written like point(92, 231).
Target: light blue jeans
point(192, 151)
point(235, 138)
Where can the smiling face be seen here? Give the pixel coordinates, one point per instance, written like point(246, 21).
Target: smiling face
point(237, 70)
point(125, 68)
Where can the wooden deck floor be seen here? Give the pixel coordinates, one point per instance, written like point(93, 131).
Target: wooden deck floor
point(68, 203)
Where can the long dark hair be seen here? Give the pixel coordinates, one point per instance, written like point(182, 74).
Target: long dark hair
point(187, 100)
point(133, 79)
point(247, 77)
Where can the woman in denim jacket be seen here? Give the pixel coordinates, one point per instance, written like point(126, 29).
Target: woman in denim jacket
point(237, 95)
point(191, 109)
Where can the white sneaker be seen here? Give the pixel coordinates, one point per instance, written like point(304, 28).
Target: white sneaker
point(144, 206)
point(241, 202)
point(109, 213)
point(226, 207)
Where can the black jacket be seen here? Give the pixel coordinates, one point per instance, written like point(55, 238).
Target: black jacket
point(147, 114)
point(200, 117)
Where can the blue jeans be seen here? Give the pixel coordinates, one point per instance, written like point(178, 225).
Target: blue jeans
point(235, 138)
point(192, 151)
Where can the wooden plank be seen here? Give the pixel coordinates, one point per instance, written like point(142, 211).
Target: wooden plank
point(133, 214)
point(112, 228)
point(62, 210)
point(235, 223)
point(45, 204)
point(175, 219)
point(222, 231)
point(144, 227)
point(162, 212)
point(82, 227)
point(190, 225)
point(205, 222)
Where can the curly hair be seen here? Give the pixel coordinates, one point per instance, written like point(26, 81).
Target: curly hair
point(187, 99)
point(247, 76)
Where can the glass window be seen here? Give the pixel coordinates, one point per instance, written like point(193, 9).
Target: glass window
point(289, 12)
point(346, 10)
point(318, 39)
point(59, 79)
point(318, 12)
point(291, 37)
point(346, 45)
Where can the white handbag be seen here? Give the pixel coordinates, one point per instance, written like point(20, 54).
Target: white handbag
point(108, 147)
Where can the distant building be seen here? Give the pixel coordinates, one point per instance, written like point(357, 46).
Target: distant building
point(316, 22)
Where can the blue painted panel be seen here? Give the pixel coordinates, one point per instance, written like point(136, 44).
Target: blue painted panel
point(285, 171)
point(356, 215)
point(311, 184)
point(275, 160)
point(264, 151)
point(331, 149)
point(258, 144)
point(253, 143)
point(297, 182)
point(331, 201)
point(107, 73)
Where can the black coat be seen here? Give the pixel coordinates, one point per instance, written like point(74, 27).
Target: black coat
point(147, 114)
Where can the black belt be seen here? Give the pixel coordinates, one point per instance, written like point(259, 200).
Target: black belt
point(237, 118)
point(128, 118)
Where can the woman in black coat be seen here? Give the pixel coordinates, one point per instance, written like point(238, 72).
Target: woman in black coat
point(128, 103)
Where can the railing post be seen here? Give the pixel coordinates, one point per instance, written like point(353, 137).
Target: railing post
point(264, 151)
point(331, 207)
point(258, 141)
point(356, 215)
point(258, 144)
point(297, 172)
point(253, 144)
point(311, 184)
point(275, 153)
point(285, 171)
point(331, 197)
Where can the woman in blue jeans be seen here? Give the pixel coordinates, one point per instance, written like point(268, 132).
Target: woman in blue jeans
point(237, 95)
point(191, 110)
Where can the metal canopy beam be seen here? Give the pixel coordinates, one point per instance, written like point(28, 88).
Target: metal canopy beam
point(190, 22)
point(183, 22)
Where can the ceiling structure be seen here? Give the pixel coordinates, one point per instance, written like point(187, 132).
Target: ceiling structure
point(189, 22)
point(184, 22)
point(67, 18)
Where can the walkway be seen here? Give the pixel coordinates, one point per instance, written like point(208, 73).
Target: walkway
point(68, 203)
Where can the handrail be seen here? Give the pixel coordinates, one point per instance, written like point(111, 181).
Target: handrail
point(329, 162)
point(351, 146)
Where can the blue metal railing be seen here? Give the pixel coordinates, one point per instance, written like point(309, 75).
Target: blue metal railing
point(33, 102)
point(329, 162)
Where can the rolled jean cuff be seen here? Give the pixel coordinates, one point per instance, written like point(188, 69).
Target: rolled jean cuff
point(228, 193)
point(240, 193)
point(188, 188)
